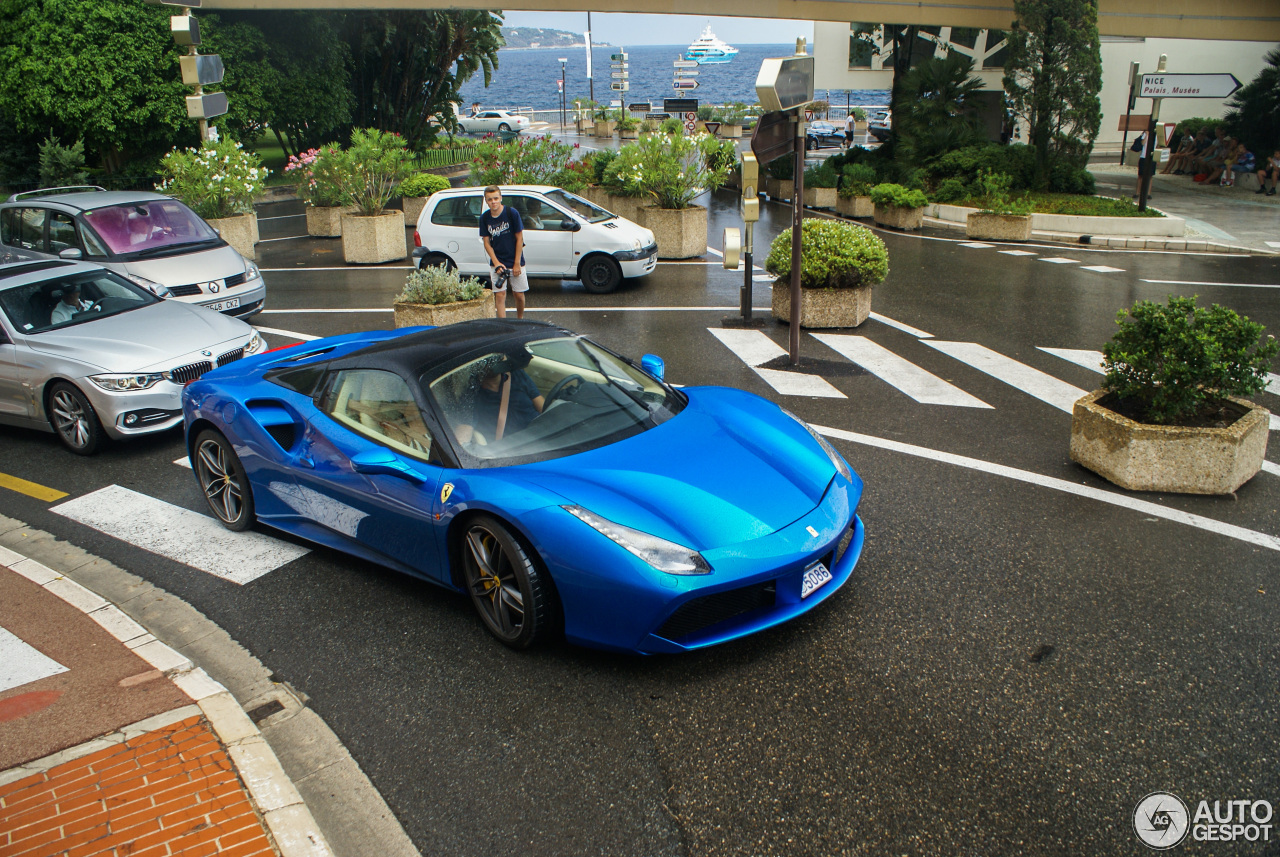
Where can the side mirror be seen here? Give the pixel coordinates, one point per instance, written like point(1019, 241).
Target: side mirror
point(71, 253)
point(570, 225)
point(653, 364)
point(385, 463)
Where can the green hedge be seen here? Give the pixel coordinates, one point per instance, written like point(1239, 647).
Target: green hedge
point(423, 184)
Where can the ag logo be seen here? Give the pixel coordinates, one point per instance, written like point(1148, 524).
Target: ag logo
point(1161, 820)
point(445, 492)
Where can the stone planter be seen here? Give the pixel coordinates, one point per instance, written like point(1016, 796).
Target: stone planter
point(437, 315)
point(413, 206)
point(823, 308)
point(629, 134)
point(820, 197)
point(604, 128)
point(1142, 457)
point(733, 132)
point(623, 206)
point(240, 231)
point(855, 206)
point(681, 233)
point(780, 188)
point(325, 221)
point(998, 227)
point(371, 240)
point(898, 217)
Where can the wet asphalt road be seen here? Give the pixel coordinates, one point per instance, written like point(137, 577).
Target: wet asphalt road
point(1009, 671)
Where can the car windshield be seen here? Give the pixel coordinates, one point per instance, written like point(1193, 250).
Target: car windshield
point(588, 211)
point(546, 399)
point(149, 228)
point(72, 300)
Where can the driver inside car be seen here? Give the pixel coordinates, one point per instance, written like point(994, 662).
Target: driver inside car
point(69, 305)
point(506, 402)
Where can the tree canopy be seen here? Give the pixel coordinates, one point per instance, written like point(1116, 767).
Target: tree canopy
point(1254, 110)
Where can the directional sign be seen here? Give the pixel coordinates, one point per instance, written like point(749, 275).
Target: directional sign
point(617, 57)
point(619, 65)
point(685, 64)
point(684, 84)
point(1188, 85)
point(680, 72)
point(622, 86)
point(640, 107)
point(619, 75)
point(773, 137)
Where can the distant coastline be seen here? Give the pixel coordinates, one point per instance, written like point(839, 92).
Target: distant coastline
point(543, 39)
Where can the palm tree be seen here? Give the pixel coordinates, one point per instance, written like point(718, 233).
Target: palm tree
point(937, 112)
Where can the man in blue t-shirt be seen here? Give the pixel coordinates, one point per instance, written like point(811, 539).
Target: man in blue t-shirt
point(502, 232)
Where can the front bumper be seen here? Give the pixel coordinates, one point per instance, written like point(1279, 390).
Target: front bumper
point(637, 263)
point(141, 412)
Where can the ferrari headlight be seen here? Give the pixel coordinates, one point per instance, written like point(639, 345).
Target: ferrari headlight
point(254, 345)
point(251, 272)
point(661, 554)
point(826, 447)
point(126, 383)
point(150, 285)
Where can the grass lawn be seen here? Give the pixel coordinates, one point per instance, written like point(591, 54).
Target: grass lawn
point(274, 159)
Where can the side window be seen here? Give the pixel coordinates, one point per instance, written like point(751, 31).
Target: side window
point(533, 213)
point(9, 226)
point(62, 232)
point(378, 405)
point(30, 228)
point(459, 211)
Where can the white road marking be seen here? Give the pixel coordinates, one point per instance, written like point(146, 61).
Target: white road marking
point(289, 237)
point(905, 328)
point(21, 663)
point(733, 309)
point(1031, 381)
point(1059, 260)
point(1142, 506)
point(1275, 244)
point(1271, 468)
point(396, 268)
point(287, 216)
point(754, 348)
point(1017, 252)
point(184, 461)
point(1091, 360)
point(1273, 383)
point(1206, 283)
point(1102, 269)
point(976, 245)
point(305, 337)
point(1275, 423)
point(923, 386)
point(179, 534)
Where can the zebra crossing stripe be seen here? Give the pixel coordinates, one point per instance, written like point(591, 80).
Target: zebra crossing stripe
point(1102, 269)
point(977, 245)
point(1016, 252)
point(1059, 260)
point(924, 387)
point(180, 534)
point(1091, 360)
point(21, 663)
point(1031, 381)
point(755, 349)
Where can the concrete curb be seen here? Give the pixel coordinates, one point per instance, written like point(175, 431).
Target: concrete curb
point(339, 800)
point(272, 792)
point(1127, 242)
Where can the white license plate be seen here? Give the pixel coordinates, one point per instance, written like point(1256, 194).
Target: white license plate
point(814, 576)
point(229, 303)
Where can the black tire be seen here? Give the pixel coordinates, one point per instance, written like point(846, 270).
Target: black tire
point(222, 480)
point(74, 420)
point(514, 601)
point(505, 128)
point(600, 275)
point(434, 260)
point(810, 144)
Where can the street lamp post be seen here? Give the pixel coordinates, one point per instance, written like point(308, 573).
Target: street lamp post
point(564, 96)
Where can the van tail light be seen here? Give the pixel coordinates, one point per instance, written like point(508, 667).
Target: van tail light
point(417, 239)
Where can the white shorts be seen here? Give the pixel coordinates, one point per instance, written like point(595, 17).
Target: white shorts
point(516, 284)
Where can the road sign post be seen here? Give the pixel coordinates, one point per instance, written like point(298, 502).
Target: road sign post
point(1145, 165)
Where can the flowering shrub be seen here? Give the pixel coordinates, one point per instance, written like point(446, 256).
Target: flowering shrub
point(318, 174)
point(534, 160)
point(833, 255)
point(368, 172)
point(672, 170)
point(435, 285)
point(217, 180)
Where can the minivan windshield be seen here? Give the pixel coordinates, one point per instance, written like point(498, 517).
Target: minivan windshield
point(72, 300)
point(589, 211)
point(149, 228)
point(562, 395)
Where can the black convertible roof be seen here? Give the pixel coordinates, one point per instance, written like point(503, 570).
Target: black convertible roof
point(412, 354)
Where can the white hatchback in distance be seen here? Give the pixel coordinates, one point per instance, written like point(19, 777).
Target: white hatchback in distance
point(565, 236)
point(494, 121)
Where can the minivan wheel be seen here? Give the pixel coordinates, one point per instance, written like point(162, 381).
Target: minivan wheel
point(600, 275)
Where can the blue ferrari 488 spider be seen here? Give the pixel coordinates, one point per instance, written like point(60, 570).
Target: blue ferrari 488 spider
point(561, 486)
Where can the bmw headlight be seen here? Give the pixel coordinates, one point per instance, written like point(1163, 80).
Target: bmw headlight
point(251, 272)
point(150, 285)
point(126, 383)
point(826, 447)
point(661, 554)
point(255, 344)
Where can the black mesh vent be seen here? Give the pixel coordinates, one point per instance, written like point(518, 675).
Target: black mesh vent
point(235, 280)
point(284, 434)
point(706, 611)
point(230, 357)
point(185, 291)
point(190, 372)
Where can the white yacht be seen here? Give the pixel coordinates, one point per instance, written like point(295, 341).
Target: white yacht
point(708, 49)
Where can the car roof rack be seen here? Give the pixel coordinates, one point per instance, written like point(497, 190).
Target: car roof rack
point(46, 191)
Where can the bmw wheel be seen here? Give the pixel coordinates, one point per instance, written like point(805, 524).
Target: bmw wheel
point(223, 480)
point(600, 275)
point(73, 419)
point(511, 596)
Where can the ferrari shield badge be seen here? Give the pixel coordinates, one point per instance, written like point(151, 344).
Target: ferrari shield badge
point(445, 492)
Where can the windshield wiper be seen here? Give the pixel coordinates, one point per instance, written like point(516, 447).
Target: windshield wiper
point(170, 248)
point(612, 381)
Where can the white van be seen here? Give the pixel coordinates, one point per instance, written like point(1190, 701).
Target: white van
point(565, 236)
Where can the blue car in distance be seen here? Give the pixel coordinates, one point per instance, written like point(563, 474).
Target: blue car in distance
point(563, 488)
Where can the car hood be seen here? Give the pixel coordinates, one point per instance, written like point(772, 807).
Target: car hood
point(729, 468)
point(216, 263)
point(147, 338)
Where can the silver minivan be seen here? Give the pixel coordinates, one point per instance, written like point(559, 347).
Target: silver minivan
point(154, 240)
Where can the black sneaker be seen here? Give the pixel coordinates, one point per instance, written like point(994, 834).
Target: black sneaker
point(1262, 189)
point(1271, 192)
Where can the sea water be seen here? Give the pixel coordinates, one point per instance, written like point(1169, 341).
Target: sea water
point(529, 78)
